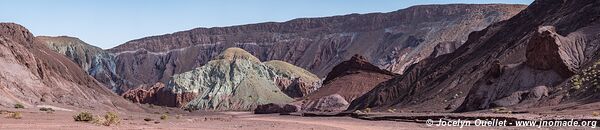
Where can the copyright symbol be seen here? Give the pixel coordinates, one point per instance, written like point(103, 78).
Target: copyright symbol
point(429, 122)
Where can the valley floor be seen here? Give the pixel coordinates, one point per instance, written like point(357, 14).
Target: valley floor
point(227, 120)
point(35, 119)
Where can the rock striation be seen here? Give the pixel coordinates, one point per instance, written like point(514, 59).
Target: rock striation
point(234, 80)
point(292, 80)
point(97, 62)
point(346, 82)
point(392, 41)
point(544, 45)
point(32, 74)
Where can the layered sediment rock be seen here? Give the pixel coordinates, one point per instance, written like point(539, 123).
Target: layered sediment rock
point(549, 50)
point(541, 46)
point(97, 62)
point(234, 80)
point(392, 41)
point(32, 74)
point(292, 80)
point(348, 80)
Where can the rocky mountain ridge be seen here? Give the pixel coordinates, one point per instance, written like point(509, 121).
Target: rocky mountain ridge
point(524, 63)
point(234, 80)
point(392, 41)
point(97, 62)
point(31, 74)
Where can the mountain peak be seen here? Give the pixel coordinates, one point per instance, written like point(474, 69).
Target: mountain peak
point(234, 53)
point(356, 63)
point(16, 32)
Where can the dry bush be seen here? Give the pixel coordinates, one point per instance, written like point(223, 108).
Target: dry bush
point(164, 116)
point(15, 115)
point(19, 106)
point(111, 118)
point(84, 116)
point(46, 109)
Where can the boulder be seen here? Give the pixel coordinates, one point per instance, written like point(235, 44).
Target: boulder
point(290, 108)
point(331, 103)
point(532, 95)
point(549, 50)
point(512, 99)
point(268, 108)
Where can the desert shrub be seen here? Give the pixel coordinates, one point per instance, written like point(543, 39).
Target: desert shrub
point(46, 109)
point(367, 110)
point(111, 118)
point(177, 116)
point(84, 116)
point(97, 119)
point(15, 115)
point(358, 112)
point(595, 114)
point(455, 96)
point(189, 109)
point(576, 81)
point(19, 106)
point(391, 110)
point(589, 76)
point(502, 110)
point(148, 119)
point(164, 116)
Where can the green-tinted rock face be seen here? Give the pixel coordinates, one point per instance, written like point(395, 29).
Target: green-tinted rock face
point(235, 80)
point(292, 80)
point(95, 61)
point(285, 69)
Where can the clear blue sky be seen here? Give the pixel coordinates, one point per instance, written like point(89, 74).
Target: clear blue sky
point(108, 23)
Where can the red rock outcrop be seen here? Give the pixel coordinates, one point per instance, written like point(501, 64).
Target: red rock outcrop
point(330, 103)
point(392, 41)
point(348, 80)
point(549, 50)
point(157, 94)
point(515, 55)
point(32, 74)
point(296, 88)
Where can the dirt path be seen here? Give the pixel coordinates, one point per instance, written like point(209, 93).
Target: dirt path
point(321, 123)
point(335, 122)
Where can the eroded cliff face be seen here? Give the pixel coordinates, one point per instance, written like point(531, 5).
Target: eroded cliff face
point(32, 74)
point(346, 82)
point(524, 62)
point(392, 41)
point(293, 80)
point(97, 62)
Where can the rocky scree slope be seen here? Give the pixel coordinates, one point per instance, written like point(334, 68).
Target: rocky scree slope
point(392, 41)
point(522, 63)
point(32, 74)
point(97, 62)
point(235, 80)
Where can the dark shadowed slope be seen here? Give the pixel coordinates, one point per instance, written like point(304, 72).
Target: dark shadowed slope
point(514, 63)
point(351, 79)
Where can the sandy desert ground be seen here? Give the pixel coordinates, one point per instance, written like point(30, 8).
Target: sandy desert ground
point(36, 119)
